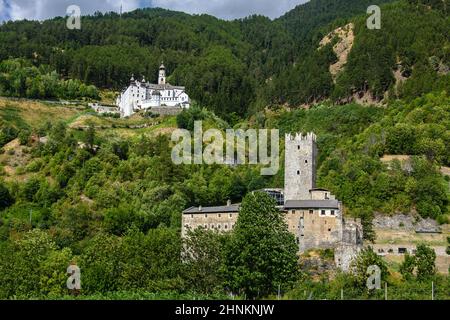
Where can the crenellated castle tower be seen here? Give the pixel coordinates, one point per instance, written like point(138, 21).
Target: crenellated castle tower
point(300, 166)
point(313, 215)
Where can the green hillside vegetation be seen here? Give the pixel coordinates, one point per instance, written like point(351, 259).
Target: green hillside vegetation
point(236, 67)
point(129, 191)
point(418, 52)
point(19, 78)
point(104, 193)
point(306, 22)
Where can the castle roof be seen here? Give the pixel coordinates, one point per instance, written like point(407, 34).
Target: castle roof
point(233, 208)
point(311, 204)
point(290, 204)
point(163, 86)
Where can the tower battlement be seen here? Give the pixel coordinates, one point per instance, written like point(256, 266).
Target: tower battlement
point(300, 165)
point(310, 136)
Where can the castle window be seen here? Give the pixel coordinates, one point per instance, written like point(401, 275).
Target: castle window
point(231, 215)
point(298, 147)
point(226, 226)
point(206, 216)
point(298, 172)
point(212, 226)
point(218, 226)
point(192, 216)
point(298, 240)
point(306, 161)
point(322, 212)
point(311, 211)
point(329, 229)
point(292, 211)
point(332, 212)
point(206, 226)
point(220, 215)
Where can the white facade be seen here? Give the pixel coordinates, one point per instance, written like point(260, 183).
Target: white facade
point(141, 95)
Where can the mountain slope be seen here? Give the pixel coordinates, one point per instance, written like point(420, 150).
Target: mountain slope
point(305, 21)
point(235, 68)
point(412, 42)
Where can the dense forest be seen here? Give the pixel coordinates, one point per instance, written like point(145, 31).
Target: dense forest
point(237, 67)
point(111, 201)
point(19, 78)
point(96, 205)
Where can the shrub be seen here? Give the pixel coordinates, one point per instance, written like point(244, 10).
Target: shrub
point(24, 137)
point(425, 261)
point(5, 197)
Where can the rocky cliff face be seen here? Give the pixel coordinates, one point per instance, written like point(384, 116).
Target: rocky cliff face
point(405, 222)
point(345, 38)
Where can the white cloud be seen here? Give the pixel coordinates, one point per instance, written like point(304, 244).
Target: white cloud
point(230, 9)
point(226, 9)
point(44, 9)
point(3, 12)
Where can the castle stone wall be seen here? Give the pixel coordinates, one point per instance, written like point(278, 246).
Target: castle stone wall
point(166, 111)
point(300, 166)
point(221, 222)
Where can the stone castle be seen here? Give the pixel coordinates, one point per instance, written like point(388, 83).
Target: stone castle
point(313, 215)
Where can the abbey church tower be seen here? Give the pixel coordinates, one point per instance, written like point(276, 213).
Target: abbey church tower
point(300, 166)
point(162, 74)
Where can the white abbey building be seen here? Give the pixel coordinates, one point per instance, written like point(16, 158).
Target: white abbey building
point(141, 95)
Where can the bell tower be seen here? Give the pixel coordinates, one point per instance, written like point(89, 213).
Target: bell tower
point(162, 74)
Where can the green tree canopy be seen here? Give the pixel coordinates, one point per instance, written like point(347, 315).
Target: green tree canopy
point(262, 253)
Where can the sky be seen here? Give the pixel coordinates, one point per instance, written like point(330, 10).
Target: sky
point(225, 9)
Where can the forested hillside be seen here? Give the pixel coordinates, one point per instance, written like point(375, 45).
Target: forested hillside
point(113, 204)
point(420, 54)
point(306, 22)
point(237, 67)
point(78, 187)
